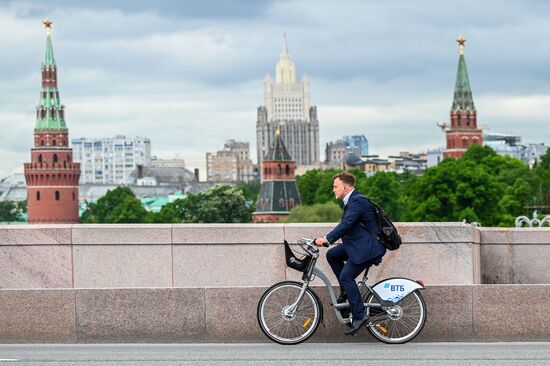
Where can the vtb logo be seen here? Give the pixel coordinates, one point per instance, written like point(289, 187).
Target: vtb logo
point(395, 288)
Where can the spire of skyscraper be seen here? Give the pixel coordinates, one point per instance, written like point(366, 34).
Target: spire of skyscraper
point(285, 70)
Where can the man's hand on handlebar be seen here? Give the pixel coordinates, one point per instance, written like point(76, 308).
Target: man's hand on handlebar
point(321, 242)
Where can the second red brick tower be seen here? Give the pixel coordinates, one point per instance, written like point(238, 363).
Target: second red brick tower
point(463, 131)
point(51, 176)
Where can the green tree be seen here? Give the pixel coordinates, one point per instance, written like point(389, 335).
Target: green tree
point(477, 194)
point(432, 197)
point(308, 185)
point(250, 190)
point(8, 211)
point(22, 206)
point(173, 212)
point(221, 204)
point(518, 183)
point(384, 189)
point(481, 186)
point(319, 212)
point(542, 187)
point(324, 192)
point(117, 206)
point(456, 190)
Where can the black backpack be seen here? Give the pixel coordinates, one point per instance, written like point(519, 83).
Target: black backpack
point(388, 237)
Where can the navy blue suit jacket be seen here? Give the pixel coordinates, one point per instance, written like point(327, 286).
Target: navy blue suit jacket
point(359, 244)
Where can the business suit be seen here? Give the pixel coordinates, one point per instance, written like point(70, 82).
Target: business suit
point(358, 250)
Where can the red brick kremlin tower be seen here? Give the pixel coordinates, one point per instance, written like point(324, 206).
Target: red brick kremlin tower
point(463, 131)
point(52, 177)
point(279, 193)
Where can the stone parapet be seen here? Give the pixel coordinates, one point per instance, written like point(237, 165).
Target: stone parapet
point(202, 255)
point(228, 314)
point(515, 255)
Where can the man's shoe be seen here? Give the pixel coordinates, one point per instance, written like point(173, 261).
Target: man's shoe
point(342, 298)
point(358, 324)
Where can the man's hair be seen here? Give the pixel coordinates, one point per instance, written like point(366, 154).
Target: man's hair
point(346, 177)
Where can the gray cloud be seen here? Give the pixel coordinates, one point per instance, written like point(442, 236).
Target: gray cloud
point(190, 74)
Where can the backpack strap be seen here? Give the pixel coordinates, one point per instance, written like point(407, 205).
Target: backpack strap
point(376, 209)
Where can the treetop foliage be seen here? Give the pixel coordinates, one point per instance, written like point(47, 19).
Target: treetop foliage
point(481, 186)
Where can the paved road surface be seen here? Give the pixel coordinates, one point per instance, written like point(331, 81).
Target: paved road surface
point(272, 354)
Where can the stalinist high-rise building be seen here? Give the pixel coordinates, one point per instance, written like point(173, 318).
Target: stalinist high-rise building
point(287, 106)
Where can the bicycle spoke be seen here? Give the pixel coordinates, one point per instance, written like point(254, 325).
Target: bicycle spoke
point(412, 319)
point(299, 324)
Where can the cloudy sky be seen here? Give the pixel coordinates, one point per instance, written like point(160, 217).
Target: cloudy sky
point(189, 74)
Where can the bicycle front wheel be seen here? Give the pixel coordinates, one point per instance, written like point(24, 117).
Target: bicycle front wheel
point(283, 323)
point(400, 323)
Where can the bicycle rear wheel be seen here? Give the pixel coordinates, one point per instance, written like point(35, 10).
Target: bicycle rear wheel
point(401, 323)
point(280, 322)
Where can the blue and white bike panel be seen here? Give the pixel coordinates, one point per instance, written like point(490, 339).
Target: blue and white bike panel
point(395, 289)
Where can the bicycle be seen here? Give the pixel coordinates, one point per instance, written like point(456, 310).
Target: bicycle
point(290, 312)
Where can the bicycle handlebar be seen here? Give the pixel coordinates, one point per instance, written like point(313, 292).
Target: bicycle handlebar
point(309, 246)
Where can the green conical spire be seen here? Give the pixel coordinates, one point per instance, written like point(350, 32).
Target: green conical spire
point(463, 99)
point(50, 113)
point(48, 57)
point(277, 151)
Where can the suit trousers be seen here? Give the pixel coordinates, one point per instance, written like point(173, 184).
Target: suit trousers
point(346, 272)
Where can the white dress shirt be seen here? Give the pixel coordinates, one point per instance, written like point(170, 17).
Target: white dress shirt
point(346, 199)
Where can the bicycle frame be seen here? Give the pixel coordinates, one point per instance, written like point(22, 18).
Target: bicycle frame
point(403, 288)
point(313, 271)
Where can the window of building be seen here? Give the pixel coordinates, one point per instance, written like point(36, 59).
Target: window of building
point(55, 158)
point(57, 195)
point(54, 143)
point(38, 195)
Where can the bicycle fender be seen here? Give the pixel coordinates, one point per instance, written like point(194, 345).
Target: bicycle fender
point(396, 288)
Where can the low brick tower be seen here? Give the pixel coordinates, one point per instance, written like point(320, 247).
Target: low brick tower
point(51, 176)
point(463, 131)
point(279, 193)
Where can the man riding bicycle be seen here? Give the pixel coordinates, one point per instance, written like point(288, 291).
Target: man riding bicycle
point(360, 247)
